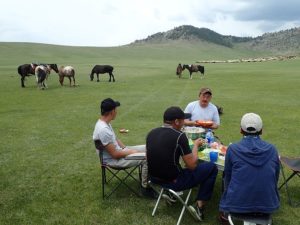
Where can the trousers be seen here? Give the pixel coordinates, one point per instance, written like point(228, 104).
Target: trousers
point(204, 176)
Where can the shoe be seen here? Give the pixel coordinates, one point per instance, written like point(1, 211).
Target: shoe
point(149, 192)
point(223, 219)
point(170, 198)
point(196, 213)
point(200, 212)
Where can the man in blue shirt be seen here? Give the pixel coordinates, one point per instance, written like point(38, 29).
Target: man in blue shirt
point(251, 172)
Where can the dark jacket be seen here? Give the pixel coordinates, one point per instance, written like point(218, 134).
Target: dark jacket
point(251, 176)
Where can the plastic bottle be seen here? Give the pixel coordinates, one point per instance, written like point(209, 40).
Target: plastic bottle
point(209, 137)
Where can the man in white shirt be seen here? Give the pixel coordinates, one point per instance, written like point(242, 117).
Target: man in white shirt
point(203, 109)
point(114, 150)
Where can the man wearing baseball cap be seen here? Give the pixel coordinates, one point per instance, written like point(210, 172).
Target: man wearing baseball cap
point(251, 172)
point(115, 150)
point(203, 109)
point(165, 145)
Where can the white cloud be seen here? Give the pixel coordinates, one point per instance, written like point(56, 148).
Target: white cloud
point(119, 22)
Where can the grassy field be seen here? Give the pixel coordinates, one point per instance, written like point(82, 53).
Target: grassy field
point(49, 172)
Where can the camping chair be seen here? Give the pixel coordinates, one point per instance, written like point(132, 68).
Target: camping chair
point(179, 196)
point(121, 174)
point(294, 165)
point(251, 218)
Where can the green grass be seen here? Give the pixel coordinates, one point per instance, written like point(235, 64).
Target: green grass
point(50, 173)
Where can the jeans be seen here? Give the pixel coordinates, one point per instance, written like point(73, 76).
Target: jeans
point(203, 175)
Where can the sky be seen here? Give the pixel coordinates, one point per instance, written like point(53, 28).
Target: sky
point(104, 23)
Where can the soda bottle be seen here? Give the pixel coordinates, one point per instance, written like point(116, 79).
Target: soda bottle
point(209, 137)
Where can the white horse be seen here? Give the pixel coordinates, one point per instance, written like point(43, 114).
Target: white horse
point(42, 72)
point(66, 71)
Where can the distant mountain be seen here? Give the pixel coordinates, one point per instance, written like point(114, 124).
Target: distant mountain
point(287, 41)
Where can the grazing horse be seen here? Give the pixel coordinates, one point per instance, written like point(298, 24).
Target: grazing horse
point(194, 68)
point(102, 69)
point(42, 72)
point(179, 70)
point(26, 70)
point(66, 71)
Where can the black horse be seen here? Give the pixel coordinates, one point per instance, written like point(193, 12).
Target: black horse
point(102, 69)
point(29, 69)
point(194, 68)
point(26, 70)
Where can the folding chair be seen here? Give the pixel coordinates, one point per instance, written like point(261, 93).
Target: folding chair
point(294, 165)
point(163, 191)
point(251, 218)
point(110, 173)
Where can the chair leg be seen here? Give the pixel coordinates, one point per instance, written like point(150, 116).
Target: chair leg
point(157, 202)
point(286, 185)
point(230, 220)
point(123, 181)
point(103, 181)
point(184, 205)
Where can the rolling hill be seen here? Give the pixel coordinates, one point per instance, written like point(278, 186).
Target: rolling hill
point(282, 42)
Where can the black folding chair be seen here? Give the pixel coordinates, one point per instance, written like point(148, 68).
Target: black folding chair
point(294, 165)
point(250, 218)
point(112, 173)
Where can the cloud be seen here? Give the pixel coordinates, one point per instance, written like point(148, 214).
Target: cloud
point(119, 22)
point(269, 11)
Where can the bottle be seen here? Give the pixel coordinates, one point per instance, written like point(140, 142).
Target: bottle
point(209, 137)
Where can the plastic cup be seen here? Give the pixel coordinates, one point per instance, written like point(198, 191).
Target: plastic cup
point(213, 156)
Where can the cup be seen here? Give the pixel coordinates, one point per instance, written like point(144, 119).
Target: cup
point(213, 156)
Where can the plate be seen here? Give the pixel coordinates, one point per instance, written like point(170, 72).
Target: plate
point(204, 123)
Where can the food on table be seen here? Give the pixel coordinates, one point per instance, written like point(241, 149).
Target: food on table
point(204, 123)
point(223, 149)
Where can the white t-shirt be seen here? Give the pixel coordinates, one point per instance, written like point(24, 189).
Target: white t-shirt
point(104, 132)
point(199, 113)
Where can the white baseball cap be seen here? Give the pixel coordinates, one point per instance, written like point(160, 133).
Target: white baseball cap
point(251, 123)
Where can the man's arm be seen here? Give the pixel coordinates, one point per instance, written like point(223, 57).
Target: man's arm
point(110, 148)
point(191, 160)
point(188, 122)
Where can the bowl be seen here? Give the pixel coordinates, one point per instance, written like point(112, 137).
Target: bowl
point(193, 132)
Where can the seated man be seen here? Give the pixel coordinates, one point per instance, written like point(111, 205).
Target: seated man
point(115, 150)
point(251, 172)
point(203, 109)
point(165, 145)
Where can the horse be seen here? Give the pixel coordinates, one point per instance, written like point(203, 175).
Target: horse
point(29, 69)
point(179, 70)
point(194, 68)
point(66, 71)
point(26, 70)
point(102, 69)
point(42, 72)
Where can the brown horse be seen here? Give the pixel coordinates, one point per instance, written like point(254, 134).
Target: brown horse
point(194, 68)
point(66, 71)
point(179, 70)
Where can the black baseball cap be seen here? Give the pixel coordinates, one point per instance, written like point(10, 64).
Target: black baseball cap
point(108, 105)
point(174, 112)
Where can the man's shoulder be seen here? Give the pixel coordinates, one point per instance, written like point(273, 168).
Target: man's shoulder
point(212, 106)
